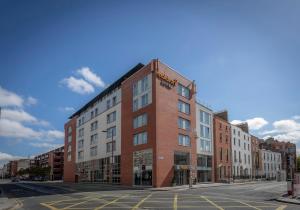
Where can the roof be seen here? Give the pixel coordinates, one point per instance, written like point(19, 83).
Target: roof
point(113, 86)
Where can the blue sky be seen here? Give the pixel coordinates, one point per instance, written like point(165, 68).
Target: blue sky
point(245, 57)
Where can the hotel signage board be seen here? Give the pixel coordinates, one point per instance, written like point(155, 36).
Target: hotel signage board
point(165, 80)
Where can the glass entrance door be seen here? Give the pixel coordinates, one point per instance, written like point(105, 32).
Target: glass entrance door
point(182, 177)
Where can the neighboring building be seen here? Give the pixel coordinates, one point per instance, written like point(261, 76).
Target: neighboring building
point(222, 147)
point(241, 151)
point(70, 151)
point(13, 168)
point(271, 162)
point(288, 154)
point(205, 147)
point(23, 164)
point(148, 116)
point(53, 159)
point(256, 157)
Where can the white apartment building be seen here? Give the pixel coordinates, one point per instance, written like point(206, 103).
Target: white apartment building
point(98, 132)
point(271, 164)
point(204, 129)
point(241, 152)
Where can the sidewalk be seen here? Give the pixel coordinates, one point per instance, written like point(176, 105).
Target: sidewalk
point(289, 199)
point(200, 185)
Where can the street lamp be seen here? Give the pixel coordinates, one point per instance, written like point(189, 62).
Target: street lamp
point(112, 155)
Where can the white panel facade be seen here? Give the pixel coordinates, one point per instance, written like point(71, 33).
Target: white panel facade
point(204, 129)
point(271, 163)
point(99, 112)
point(241, 152)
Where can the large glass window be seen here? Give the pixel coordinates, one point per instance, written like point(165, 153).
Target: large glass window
point(93, 151)
point(183, 123)
point(140, 138)
point(205, 145)
point(205, 132)
point(80, 155)
point(183, 107)
point(94, 139)
point(109, 146)
point(142, 167)
point(181, 158)
point(111, 117)
point(183, 91)
point(144, 100)
point(184, 140)
point(80, 144)
point(111, 132)
point(205, 117)
point(94, 125)
point(140, 121)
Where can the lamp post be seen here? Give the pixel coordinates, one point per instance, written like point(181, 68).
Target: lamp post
point(112, 155)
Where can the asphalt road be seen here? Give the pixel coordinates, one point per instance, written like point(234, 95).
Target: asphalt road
point(54, 196)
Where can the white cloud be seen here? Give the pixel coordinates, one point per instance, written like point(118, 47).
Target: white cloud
point(6, 156)
point(8, 98)
point(296, 117)
point(255, 123)
point(45, 145)
point(31, 101)
point(91, 77)
point(285, 130)
point(78, 85)
point(66, 109)
point(14, 129)
point(55, 134)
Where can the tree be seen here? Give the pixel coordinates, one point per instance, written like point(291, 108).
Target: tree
point(298, 163)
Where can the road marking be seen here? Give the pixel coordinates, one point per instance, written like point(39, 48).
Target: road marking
point(71, 199)
point(175, 201)
point(212, 203)
point(142, 201)
point(111, 202)
point(248, 205)
point(281, 207)
point(75, 204)
point(48, 206)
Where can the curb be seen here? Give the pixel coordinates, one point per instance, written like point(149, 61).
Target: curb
point(287, 201)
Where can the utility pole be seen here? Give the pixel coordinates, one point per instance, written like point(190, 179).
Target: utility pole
point(112, 155)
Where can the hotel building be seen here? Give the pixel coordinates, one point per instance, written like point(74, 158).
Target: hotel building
point(141, 130)
point(241, 151)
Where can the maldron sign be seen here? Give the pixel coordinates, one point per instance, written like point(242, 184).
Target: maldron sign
point(165, 80)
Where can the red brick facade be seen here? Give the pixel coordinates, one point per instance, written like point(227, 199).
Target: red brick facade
point(162, 126)
point(69, 164)
point(222, 149)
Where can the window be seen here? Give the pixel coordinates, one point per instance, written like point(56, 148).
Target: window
point(108, 146)
point(183, 91)
point(94, 139)
point(94, 125)
point(248, 159)
point(69, 157)
point(234, 141)
point(239, 133)
point(248, 147)
point(205, 145)
point(111, 132)
point(183, 107)
point(183, 123)
point(111, 117)
point(235, 160)
point(80, 132)
point(69, 138)
point(140, 138)
point(240, 159)
point(70, 130)
point(108, 104)
point(135, 89)
point(69, 148)
point(245, 158)
point(92, 114)
point(135, 104)
point(181, 158)
point(205, 117)
point(244, 146)
point(96, 111)
point(205, 132)
point(221, 153)
point(227, 155)
point(80, 155)
point(184, 140)
point(114, 100)
point(140, 121)
point(80, 144)
point(93, 151)
point(233, 131)
point(239, 142)
point(144, 84)
point(144, 100)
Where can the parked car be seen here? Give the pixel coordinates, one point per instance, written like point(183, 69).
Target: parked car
point(15, 179)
